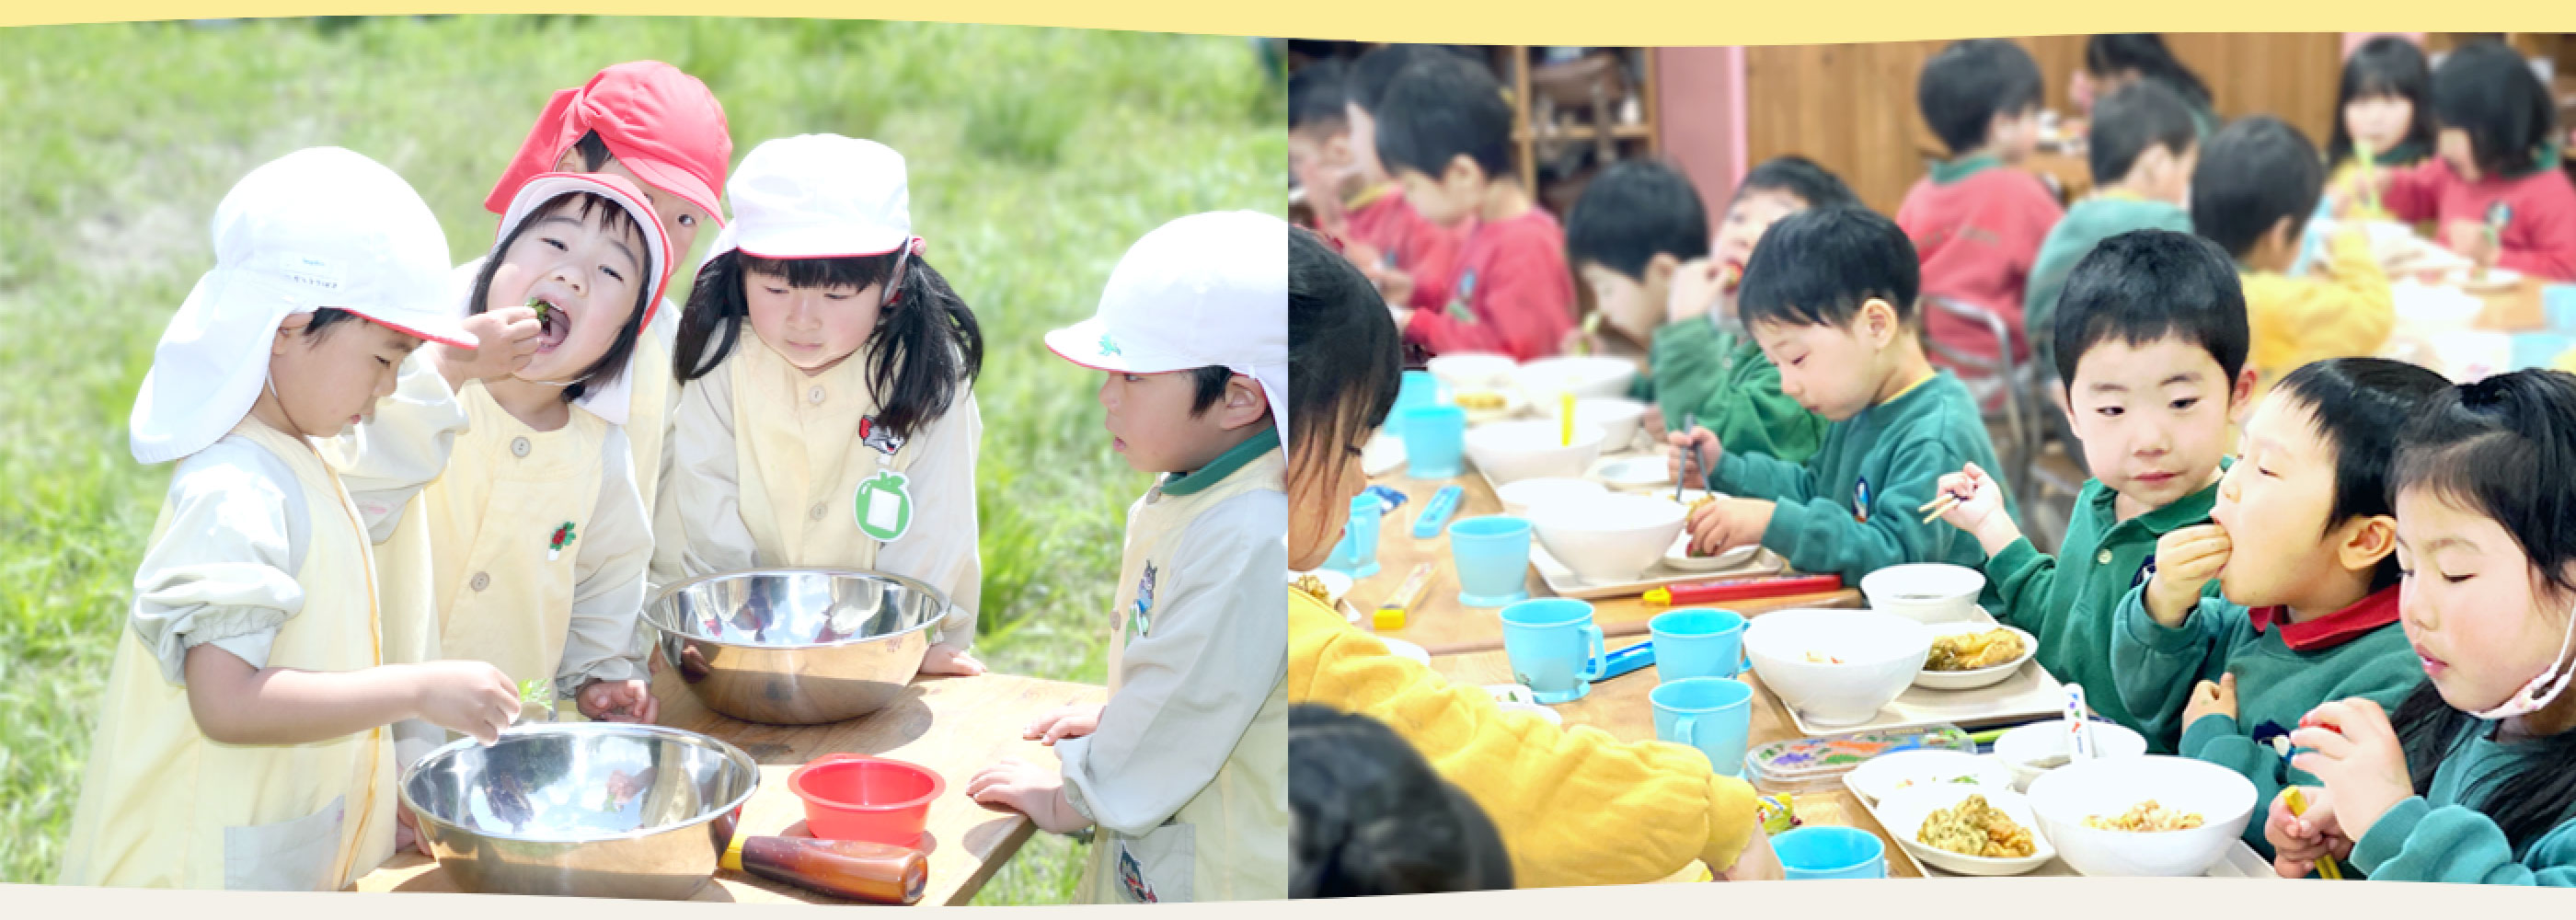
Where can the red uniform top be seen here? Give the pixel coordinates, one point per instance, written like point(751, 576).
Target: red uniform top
point(1512, 293)
point(2536, 212)
point(1977, 228)
point(1424, 250)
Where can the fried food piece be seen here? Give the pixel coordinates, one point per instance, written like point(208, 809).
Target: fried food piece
point(1972, 651)
point(1976, 828)
point(1484, 401)
point(1315, 588)
point(2146, 817)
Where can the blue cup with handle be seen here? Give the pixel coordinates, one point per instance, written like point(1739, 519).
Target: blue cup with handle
point(1713, 714)
point(1554, 648)
point(1356, 555)
point(1492, 554)
point(1820, 851)
point(1698, 643)
point(1418, 388)
point(1435, 441)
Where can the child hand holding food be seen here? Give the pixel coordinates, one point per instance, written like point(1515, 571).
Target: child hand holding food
point(2187, 560)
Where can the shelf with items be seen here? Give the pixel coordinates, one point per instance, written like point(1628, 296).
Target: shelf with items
point(1575, 110)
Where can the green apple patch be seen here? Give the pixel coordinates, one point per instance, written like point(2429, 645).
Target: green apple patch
point(884, 506)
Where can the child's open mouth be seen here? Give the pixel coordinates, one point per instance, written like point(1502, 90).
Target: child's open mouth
point(553, 325)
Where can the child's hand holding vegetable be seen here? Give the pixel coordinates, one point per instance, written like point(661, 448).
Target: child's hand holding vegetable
point(507, 339)
point(618, 701)
point(2187, 559)
point(469, 697)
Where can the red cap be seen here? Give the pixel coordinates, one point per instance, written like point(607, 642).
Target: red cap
point(662, 124)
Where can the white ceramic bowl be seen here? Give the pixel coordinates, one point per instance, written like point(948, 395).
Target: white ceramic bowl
point(1679, 559)
point(1925, 592)
point(1473, 370)
point(1533, 709)
point(1585, 377)
point(1509, 452)
point(1880, 653)
point(1612, 539)
point(1512, 404)
point(1902, 813)
point(1519, 497)
point(2065, 797)
point(2023, 749)
point(1634, 474)
point(1617, 417)
point(1888, 774)
point(1981, 677)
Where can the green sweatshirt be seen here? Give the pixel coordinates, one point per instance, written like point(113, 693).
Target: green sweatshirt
point(1885, 462)
point(1734, 390)
point(2068, 600)
point(2358, 651)
point(2435, 838)
point(2085, 225)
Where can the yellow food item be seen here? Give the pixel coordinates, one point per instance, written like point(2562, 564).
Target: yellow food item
point(1972, 651)
point(1976, 828)
point(1481, 402)
point(1315, 588)
point(2146, 817)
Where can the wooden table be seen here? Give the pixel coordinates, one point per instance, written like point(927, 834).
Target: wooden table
point(1442, 625)
point(952, 725)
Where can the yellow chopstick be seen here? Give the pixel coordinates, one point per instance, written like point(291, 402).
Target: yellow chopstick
point(2298, 806)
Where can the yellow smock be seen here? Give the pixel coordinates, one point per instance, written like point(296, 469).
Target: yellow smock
point(766, 463)
point(1574, 806)
point(384, 466)
point(163, 806)
point(1186, 776)
point(2347, 312)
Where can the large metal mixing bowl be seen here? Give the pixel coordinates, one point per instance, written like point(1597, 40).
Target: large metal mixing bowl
point(588, 809)
point(796, 646)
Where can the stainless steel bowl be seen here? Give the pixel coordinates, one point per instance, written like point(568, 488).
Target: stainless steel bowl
point(796, 646)
point(589, 809)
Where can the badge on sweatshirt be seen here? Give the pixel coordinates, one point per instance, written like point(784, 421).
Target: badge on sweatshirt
point(1860, 500)
point(555, 543)
point(875, 434)
point(1458, 299)
point(884, 506)
point(1143, 620)
point(1132, 876)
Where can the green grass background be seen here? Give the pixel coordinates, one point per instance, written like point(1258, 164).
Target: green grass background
point(1036, 157)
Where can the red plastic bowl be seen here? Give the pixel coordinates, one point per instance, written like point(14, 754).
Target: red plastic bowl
point(857, 797)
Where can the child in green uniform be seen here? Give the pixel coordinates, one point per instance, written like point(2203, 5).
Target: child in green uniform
point(2301, 545)
point(1830, 295)
point(2150, 341)
point(2142, 150)
point(1639, 239)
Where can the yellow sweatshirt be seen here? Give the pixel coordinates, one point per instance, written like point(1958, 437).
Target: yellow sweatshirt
point(2346, 311)
point(1575, 806)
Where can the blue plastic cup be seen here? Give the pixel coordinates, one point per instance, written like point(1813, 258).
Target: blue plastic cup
point(1698, 643)
point(1554, 648)
point(2558, 303)
point(1435, 441)
point(1492, 554)
point(1713, 714)
point(1418, 388)
point(1828, 852)
point(1356, 555)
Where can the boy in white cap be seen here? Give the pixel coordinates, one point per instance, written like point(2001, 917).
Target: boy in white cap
point(1184, 770)
point(827, 416)
point(242, 737)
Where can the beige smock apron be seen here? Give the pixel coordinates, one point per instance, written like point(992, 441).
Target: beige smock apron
point(163, 806)
point(1230, 840)
point(503, 591)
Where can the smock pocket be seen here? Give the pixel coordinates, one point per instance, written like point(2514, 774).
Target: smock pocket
point(1159, 867)
point(293, 855)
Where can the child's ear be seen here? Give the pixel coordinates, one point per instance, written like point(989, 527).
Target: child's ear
point(2240, 400)
point(2365, 541)
point(1462, 172)
point(287, 330)
point(1244, 403)
point(1660, 268)
point(1879, 322)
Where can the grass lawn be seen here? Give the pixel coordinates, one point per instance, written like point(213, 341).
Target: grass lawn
point(1036, 157)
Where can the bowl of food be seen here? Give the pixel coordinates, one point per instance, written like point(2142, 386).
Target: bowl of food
point(1473, 370)
point(2040, 747)
point(1969, 830)
point(1484, 405)
point(1970, 656)
point(1617, 417)
point(1327, 586)
point(2142, 816)
point(1836, 667)
point(1925, 592)
point(1587, 377)
point(1611, 539)
point(1519, 497)
point(1888, 774)
point(1509, 452)
point(581, 809)
point(796, 646)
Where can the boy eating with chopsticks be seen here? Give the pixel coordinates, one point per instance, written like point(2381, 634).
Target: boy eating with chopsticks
point(1830, 295)
point(2149, 340)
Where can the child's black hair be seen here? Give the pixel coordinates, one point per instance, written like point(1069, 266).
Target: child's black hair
point(593, 150)
point(612, 362)
point(2133, 120)
point(2358, 405)
point(2386, 66)
point(1796, 175)
point(2144, 52)
point(2252, 174)
point(1632, 212)
point(1315, 98)
point(1372, 818)
point(1965, 86)
point(2486, 90)
point(926, 347)
point(1365, 83)
point(2146, 285)
point(1209, 387)
point(1819, 266)
point(1345, 358)
point(2503, 448)
point(323, 319)
point(1440, 108)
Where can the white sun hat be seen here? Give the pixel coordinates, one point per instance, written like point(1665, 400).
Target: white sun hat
point(1206, 290)
point(610, 399)
point(818, 196)
point(320, 227)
